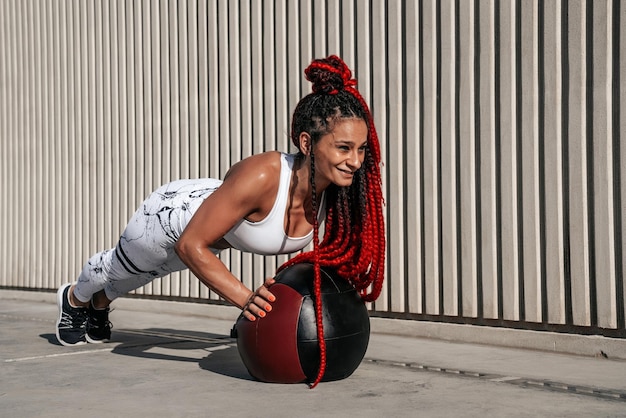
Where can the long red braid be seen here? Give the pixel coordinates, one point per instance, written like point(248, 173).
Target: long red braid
point(354, 239)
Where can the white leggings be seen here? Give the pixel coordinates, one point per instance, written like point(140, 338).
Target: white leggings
point(145, 249)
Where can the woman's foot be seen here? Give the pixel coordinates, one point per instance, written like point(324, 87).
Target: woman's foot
point(98, 325)
point(72, 323)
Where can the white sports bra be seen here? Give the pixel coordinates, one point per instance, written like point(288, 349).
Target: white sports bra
point(268, 237)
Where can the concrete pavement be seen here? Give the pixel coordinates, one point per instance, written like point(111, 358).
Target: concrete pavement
point(169, 360)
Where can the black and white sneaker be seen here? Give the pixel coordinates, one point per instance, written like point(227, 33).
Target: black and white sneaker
point(98, 325)
point(72, 322)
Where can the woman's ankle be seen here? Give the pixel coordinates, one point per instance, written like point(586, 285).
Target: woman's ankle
point(100, 301)
point(74, 302)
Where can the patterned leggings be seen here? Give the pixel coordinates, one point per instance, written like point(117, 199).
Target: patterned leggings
point(145, 249)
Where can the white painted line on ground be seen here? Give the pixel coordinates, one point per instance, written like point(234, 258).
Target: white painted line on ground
point(73, 353)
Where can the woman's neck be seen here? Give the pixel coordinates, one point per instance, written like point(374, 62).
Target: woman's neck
point(302, 189)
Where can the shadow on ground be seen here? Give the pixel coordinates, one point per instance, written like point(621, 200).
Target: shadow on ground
point(213, 352)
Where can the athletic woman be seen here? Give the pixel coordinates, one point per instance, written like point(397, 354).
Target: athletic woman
point(270, 203)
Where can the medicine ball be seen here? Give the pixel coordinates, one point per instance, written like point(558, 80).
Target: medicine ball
point(283, 347)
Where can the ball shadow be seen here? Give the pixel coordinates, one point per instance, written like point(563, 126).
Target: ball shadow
point(213, 352)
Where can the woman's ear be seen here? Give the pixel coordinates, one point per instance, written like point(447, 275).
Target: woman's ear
point(305, 143)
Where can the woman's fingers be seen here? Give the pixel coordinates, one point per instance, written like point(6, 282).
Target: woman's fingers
point(265, 294)
point(260, 302)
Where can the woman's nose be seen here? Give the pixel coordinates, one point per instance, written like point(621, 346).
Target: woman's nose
point(355, 160)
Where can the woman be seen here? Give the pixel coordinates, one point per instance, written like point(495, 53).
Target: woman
point(271, 203)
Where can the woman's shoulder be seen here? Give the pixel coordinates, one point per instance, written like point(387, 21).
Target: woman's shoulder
point(263, 167)
point(264, 159)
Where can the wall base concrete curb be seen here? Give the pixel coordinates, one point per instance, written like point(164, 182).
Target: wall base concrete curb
point(585, 345)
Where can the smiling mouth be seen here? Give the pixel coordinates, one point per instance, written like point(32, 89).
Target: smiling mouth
point(347, 172)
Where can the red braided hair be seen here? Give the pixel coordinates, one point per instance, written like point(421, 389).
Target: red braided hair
point(354, 239)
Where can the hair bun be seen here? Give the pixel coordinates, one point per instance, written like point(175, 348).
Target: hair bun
point(329, 75)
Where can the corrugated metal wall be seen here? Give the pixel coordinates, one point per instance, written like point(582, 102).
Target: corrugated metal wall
point(501, 124)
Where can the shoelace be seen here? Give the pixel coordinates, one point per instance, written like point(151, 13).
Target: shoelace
point(78, 319)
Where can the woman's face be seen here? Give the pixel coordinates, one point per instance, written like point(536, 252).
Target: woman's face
point(340, 153)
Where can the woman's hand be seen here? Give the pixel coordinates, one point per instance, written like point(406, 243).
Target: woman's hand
point(259, 301)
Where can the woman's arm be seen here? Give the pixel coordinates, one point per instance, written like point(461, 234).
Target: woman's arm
point(248, 191)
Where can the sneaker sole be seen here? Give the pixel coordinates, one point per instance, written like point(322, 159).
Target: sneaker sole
point(92, 341)
point(60, 293)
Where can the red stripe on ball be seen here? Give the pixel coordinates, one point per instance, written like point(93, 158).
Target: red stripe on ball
point(274, 357)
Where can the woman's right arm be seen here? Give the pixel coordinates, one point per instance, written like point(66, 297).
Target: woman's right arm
point(244, 193)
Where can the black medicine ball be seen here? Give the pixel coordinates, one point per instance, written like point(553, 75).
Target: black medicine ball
point(283, 347)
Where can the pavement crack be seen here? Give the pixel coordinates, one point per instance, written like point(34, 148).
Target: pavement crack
point(596, 392)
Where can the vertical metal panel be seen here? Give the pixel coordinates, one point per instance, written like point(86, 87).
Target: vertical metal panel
point(5, 145)
point(528, 147)
point(173, 158)
point(194, 138)
point(378, 103)
point(154, 108)
point(347, 37)
point(467, 170)
point(551, 164)
point(601, 180)
point(577, 165)
point(281, 96)
point(74, 263)
point(412, 92)
point(487, 197)
point(30, 151)
point(248, 134)
point(333, 29)
point(508, 160)
point(396, 197)
point(182, 61)
point(256, 272)
point(55, 131)
point(500, 125)
point(21, 135)
point(214, 90)
point(120, 50)
point(447, 125)
point(430, 162)
point(231, 98)
point(82, 116)
point(135, 54)
point(9, 159)
point(109, 163)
